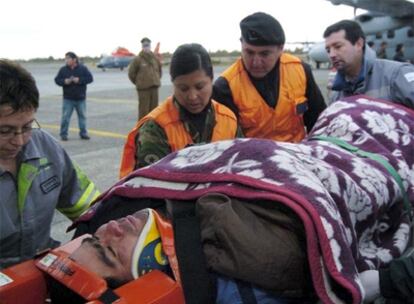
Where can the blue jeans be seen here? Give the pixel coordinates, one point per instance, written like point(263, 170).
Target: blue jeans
point(67, 110)
point(228, 293)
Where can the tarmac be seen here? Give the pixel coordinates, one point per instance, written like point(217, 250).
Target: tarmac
point(112, 110)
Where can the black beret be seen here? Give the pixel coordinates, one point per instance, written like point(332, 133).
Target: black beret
point(145, 39)
point(262, 29)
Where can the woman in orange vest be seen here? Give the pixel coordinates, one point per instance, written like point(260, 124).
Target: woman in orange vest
point(188, 117)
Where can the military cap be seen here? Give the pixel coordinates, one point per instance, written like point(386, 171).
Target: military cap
point(145, 40)
point(262, 29)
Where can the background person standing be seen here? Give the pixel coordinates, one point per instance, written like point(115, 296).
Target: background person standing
point(399, 53)
point(73, 77)
point(145, 73)
point(382, 51)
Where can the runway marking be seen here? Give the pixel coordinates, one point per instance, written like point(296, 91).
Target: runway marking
point(97, 99)
point(90, 131)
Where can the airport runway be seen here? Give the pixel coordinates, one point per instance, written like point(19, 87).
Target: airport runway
point(111, 113)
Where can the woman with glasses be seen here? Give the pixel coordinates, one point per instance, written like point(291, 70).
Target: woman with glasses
point(36, 174)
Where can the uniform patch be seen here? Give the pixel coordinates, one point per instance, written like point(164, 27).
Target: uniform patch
point(49, 184)
point(409, 76)
point(4, 279)
point(151, 158)
point(48, 260)
point(301, 108)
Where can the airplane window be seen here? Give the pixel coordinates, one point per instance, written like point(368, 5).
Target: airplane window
point(390, 34)
point(410, 33)
point(378, 36)
point(365, 18)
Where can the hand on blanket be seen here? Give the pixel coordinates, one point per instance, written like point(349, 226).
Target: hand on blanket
point(370, 282)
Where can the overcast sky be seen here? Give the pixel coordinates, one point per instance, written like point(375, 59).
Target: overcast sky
point(42, 28)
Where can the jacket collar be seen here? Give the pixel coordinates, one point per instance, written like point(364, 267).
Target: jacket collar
point(340, 82)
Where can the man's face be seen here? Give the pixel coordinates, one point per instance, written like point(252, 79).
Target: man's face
point(193, 91)
point(109, 252)
point(70, 62)
point(10, 123)
point(260, 60)
point(146, 47)
point(345, 56)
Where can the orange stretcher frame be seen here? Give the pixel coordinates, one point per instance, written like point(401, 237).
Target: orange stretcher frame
point(25, 283)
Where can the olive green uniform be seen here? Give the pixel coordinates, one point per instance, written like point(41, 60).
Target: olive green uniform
point(152, 143)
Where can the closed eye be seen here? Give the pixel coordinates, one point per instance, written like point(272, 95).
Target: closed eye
point(112, 251)
point(94, 242)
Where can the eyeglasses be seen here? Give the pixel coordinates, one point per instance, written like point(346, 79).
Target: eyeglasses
point(8, 132)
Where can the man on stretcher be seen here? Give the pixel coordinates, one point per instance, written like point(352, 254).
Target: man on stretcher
point(246, 220)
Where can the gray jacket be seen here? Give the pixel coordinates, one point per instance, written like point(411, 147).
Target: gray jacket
point(46, 180)
point(381, 78)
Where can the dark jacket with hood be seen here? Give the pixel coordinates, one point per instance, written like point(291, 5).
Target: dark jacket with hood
point(74, 91)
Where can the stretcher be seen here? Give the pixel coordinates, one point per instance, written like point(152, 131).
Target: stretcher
point(26, 283)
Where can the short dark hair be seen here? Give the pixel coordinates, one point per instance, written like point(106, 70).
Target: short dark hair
point(188, 58)
point(353, 30)
point(72, 55)
point(399, 47)
point(17, 87)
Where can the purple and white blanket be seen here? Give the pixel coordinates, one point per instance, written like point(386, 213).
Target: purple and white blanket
point(351, 206)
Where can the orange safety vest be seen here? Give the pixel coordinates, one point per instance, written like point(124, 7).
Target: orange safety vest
point(257, 119)
point(167, 116)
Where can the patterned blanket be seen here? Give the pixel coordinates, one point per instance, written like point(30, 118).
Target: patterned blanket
point(352, 206)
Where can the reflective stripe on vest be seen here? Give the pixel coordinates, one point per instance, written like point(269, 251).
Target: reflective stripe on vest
point(257, 119)
point(167, 116)
point(25, 177)
point(89, 194)
point(27, 173)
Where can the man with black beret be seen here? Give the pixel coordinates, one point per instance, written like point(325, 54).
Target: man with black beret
point(273, 94)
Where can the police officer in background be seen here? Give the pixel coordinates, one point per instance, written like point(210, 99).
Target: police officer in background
point(273, 94)
point(36, 174)
point(145, 73)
